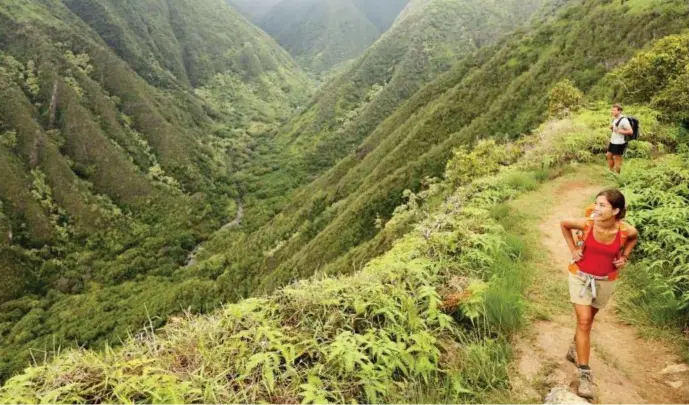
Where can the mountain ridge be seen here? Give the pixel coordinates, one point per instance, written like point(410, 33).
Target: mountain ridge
point(322, 34)
point(306, 211)
point(330, 225)
point(116, 175)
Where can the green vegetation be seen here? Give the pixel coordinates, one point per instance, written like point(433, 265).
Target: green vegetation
point(185, 41)
point(564, 98)
point(430, 320)
point(133, 132)
point(333, 225)
point(656, 290)
point(381, 13)
point(426, 312)
point(658, 76)
point(113, 166)
point(343, 114)
point(428, 38)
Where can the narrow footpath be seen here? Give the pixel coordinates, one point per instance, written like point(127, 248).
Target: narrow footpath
point(626, 367)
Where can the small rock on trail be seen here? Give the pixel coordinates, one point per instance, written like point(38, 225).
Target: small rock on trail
point(675, 384)
point(626, 368)
point(562, 395)
point(675, 369)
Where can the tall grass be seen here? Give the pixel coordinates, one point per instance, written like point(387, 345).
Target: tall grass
point(655, 290)
point(480, 368)
point(504, 299)
point(433, 315)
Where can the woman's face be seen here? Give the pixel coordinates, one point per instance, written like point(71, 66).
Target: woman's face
point(603, 211)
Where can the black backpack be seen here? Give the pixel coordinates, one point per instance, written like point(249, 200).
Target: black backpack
point(635, 127)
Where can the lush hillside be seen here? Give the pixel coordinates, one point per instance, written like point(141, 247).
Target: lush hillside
point(119, 151)
point(191, 40)
point(182, 156)
point(428, 38)
point(335, 224)
point(499, 92)
point(344, 113)
point(388, 125)
point(428, 322)
point(426, 42)
point(321, 34)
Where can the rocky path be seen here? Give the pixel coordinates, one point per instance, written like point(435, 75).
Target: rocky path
point(627, 368)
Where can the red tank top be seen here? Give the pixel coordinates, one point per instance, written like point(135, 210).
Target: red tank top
point(598, 257)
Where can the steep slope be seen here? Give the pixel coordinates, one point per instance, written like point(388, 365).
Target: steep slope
point(323, 33)
point(430, 321)
point(426, 40)
point(498, 93)
point(113, 164)
point(190, 40)
point(334, 224)
point(344, 218)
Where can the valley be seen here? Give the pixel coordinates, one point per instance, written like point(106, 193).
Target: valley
point(323, 34)
point(312, 200)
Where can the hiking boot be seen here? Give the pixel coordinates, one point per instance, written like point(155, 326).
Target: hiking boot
point(572, 353)
point(586, 387)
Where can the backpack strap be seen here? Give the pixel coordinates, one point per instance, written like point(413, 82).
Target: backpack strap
point(623, 227)
point(585, 234)
point(581, 242)
point(624, 233)
point(587, 229)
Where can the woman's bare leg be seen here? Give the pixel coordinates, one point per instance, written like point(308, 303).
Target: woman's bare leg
point(582, 338)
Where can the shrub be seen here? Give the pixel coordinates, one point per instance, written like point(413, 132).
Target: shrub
point(658, 197)
point(564, 98)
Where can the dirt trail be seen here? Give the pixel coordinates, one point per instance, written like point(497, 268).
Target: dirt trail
point(627, 368)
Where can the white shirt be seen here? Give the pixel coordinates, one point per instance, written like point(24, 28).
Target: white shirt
point(617, 138)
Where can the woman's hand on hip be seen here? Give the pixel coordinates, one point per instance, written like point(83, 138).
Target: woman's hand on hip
point(620, 262)
point(577, 254)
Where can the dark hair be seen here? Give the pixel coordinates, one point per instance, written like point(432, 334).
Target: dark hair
point(616, 199)
point(618, 106)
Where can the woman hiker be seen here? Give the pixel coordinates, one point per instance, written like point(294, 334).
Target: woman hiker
point(602, 248)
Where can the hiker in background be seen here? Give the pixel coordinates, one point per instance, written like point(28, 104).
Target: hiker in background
point(601, 249)
point(621, 129)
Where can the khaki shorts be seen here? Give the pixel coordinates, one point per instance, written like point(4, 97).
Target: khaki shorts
point(604, 291)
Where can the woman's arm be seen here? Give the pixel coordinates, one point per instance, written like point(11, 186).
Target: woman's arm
point(632, 239)
point(567, 226)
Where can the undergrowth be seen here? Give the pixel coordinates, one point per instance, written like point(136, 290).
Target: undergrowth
point(429, 321)
point(656, 288)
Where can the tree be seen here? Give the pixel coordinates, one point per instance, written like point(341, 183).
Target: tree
point(564, 98)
